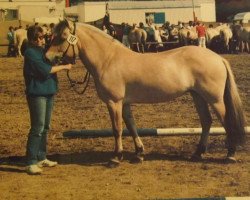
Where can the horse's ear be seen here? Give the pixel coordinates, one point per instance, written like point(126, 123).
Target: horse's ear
point(66, 21)
point(69, 23)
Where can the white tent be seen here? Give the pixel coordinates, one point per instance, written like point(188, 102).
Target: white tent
point(245, 17)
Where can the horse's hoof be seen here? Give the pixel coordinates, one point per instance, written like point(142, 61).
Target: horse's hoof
point(230, 160)
point(137, 159)
point(113, 163)
point(196, 158)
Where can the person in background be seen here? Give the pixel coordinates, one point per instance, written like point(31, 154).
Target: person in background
point(45, 29)
point(180, 25)
point(112, 30)
point(10, 37)
point(190, 25)
point(201, 31)
point(51, 28)
point(125, 32)
point(151, 31)
point(106, 19)
point(105, 30)
point(41, 87)
point(158, 38)
point(141, 25)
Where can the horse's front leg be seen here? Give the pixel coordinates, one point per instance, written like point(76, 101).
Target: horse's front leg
point(115, 112)
point(247, 47)
point(130, 124)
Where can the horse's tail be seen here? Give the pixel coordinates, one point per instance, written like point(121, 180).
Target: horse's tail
point(144, 37)
point(15, 39)
point(234, 117)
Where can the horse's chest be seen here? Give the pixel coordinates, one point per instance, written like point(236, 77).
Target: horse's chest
point(109, 90)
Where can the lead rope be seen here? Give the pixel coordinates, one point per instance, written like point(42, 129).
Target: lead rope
point(84, 82)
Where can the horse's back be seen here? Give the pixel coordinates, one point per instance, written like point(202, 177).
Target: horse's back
point(211, 32)
point(137, 35)
point(181, 54)
point(180, 63)
point(191, 33)
point(20, 35)
point(160, 77)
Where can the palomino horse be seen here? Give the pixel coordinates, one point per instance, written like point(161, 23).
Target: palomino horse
point(211, 33)
point(186, 36)
point(138, 36)
point(244, 39)
point(123, 77)
point(19, 37)
point(242, 34)
point(226, 35)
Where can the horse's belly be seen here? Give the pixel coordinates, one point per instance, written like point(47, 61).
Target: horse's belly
point(152, 95)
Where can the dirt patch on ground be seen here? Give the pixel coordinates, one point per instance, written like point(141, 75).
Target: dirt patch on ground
point(82, 174)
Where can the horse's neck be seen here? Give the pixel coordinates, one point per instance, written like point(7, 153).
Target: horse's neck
point(95, 48)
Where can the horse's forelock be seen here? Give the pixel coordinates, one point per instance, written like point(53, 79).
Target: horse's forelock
point(61, 27)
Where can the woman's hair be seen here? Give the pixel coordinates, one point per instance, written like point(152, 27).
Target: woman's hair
point(33, 33)
point(11, 28)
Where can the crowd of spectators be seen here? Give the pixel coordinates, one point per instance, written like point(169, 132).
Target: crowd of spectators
point(155, 34)
point(12, 48)
point(167, 34)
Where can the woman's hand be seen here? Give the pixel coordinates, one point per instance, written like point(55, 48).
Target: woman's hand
point(58, 68)
point(68, 66)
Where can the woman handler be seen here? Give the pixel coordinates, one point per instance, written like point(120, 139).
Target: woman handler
point(41, 86)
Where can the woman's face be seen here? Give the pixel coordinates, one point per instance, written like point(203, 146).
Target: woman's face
point(40, 40)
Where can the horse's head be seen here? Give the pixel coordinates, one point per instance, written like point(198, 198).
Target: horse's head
point(63, 47)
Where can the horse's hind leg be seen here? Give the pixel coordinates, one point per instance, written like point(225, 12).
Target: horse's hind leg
point(115, 112)
point(138, 47)
point(220, 111)
point(206, 121)
point(130, 124)
point(142, 48)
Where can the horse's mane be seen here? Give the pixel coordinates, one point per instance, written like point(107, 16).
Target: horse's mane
point(96, 30)
point(61, 26)
point(64, 24)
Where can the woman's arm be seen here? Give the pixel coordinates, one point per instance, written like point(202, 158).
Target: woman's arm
point(58, 68)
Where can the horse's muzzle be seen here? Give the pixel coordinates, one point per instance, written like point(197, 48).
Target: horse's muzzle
point(63, 60)
point(67, 60)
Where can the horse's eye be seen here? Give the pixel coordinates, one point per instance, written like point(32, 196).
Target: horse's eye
point(64, 36)
point(58, 40)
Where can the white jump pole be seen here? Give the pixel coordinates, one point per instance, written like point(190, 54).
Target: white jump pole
point(186, 131)
point(147, 132)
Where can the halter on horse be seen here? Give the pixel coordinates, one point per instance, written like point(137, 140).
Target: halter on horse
point(123, 77)
point(72, 41)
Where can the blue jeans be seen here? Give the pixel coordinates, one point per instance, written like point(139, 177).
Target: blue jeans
point(40, 109)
